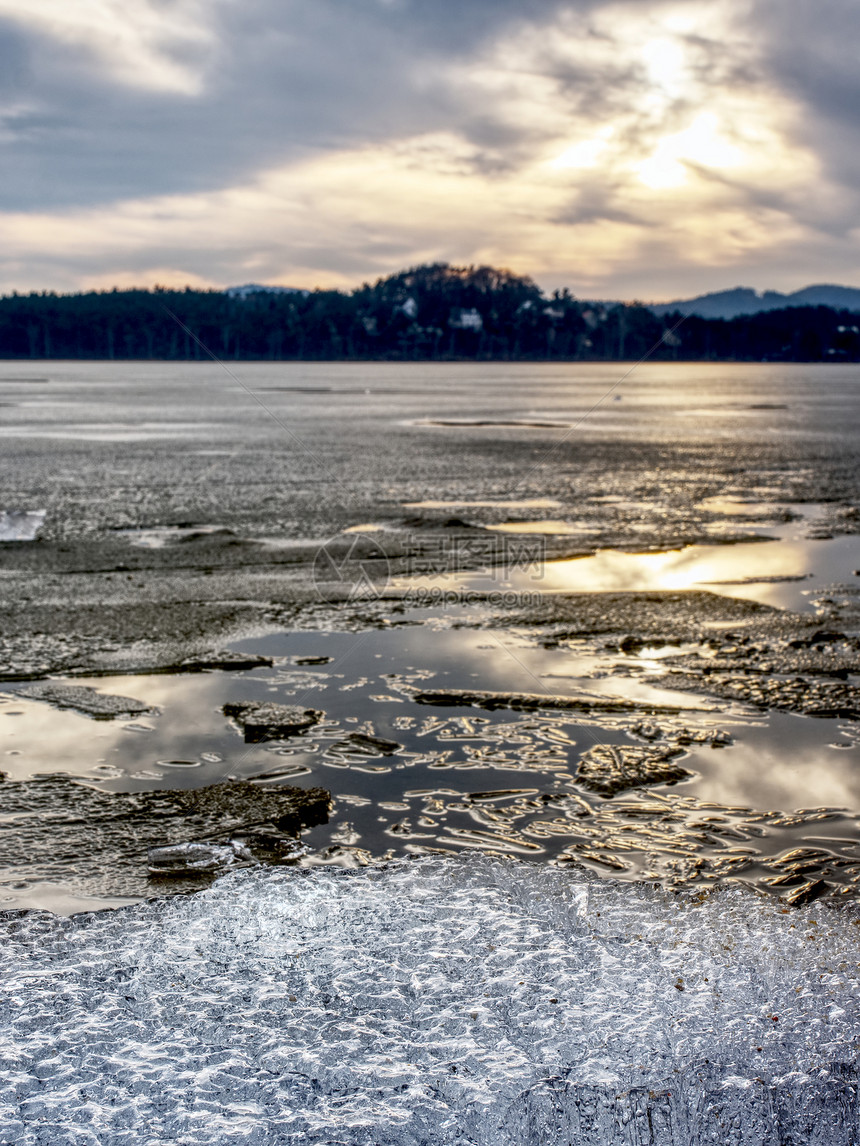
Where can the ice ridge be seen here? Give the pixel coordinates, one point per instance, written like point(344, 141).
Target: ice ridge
point(481, 1002)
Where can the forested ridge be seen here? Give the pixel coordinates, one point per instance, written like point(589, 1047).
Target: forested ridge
point(436, 312)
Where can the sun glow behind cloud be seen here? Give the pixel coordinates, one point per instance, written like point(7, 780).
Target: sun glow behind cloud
point(701, 144)
point(624, 149)
point(584, 153)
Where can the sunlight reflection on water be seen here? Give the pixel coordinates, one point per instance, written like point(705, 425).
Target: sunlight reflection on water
point(461, 777)
point(784, 569)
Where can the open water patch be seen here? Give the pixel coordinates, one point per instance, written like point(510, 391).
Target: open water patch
point(548, 526)
point(745, 507)
point(492, 423)
point(112, 431)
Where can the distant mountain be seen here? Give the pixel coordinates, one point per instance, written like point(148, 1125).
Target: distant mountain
point(743, 300)
point(257, 288)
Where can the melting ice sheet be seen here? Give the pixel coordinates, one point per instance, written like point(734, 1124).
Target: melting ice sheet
point(433, 1001)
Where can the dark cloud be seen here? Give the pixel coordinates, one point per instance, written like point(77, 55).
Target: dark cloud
point(285, 81)
point(811, 50)
point(288, 80)
point(14, 62)
point(597, 202)
point(810, 53)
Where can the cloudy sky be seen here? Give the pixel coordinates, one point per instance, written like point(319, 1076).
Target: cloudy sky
point(633, 149)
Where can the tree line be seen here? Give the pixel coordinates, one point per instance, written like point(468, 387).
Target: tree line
point(436, 312)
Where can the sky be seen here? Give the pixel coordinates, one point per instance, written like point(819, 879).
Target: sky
point(625, 150)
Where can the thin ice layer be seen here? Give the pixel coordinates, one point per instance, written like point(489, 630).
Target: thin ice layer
point(433, 1001)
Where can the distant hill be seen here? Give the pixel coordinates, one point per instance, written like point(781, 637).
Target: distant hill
point(743, 300)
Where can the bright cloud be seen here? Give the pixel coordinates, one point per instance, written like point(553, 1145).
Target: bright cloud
point(385, 207)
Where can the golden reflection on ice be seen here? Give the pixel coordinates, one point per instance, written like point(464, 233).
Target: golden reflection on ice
point(696, 567)
point(548, 527)
point(767, 571)
point(739, 507)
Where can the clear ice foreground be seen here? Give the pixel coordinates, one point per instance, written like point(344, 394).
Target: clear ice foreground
point(434, 1001)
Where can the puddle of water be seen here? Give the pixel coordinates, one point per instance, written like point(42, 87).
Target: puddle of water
point(491, 423)
point(58, 899)
point(779, 755)
point(731, 409)
point(290, 542)
point(158, 537)
point(462, 778)
point(547, 526)
point(44, 739)
point(788, 571)
point(368, 527)
point(741, 507)
point(21, 524)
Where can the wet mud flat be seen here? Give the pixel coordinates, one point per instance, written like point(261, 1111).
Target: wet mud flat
point(686, 737)
point(681, 737)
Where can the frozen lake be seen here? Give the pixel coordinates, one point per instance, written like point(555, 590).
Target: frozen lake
point(304, 449)
point(689, 613)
